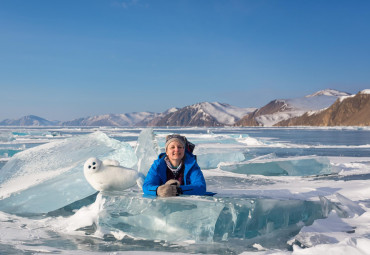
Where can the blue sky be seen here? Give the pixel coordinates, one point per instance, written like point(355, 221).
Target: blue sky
point(65, 59)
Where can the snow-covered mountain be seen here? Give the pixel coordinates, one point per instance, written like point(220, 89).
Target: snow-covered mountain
point(346, 111)
point(203, 114)
point(283, 109)
point(152, 122)
point(29, 120)
point(127, 119)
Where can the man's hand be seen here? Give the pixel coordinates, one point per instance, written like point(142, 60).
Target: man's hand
point(169, 189)
point(173, 182)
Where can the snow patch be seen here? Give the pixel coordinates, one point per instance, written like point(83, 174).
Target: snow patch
point(329, 92)
point(223, 113)
point(365, 91)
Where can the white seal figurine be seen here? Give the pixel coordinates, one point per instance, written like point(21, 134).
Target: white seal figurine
point(108, 175)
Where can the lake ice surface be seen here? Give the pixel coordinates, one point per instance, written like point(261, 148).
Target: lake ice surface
point(279, 191)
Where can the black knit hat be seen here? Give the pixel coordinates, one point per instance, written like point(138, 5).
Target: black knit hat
point(175, 137)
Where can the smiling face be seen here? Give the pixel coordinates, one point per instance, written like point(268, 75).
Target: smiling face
point(175, 152)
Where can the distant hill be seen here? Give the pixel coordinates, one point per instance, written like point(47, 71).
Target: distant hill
point(203, 115)
point(127, 119)
point(283, 109)
point(154, 121)
point(346, 111)
point(29, 120)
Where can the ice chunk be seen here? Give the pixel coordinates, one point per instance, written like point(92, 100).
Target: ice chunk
point(327, 230)
point(50, 176)
point(147, 150)
point(322, 231)
point(210, 155)
point(250, 141)
point(271, 222)
point(294, 166)
point(328, 206)
point(349, 206)
point(211, 160)
point(266, 221)
point(172, 219)
point(6, 136)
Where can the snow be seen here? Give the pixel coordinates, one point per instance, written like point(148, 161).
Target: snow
point(329, 92)
point(172, 110)
point(224, 113)
point(365, 91)
point(127, 119)
point(268, 120)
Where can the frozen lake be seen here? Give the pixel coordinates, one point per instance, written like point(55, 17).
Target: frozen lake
point(278, 191)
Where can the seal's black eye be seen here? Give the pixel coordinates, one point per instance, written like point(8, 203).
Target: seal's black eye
point(94, 163)
point(89, 167)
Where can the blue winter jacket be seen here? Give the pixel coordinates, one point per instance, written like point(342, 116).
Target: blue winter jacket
point(194, 183)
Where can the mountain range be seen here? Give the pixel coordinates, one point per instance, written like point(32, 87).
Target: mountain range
point(324, 108)
point(30, 120)
point(352, 110)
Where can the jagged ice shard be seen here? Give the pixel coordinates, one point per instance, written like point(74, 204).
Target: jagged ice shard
point(147, 150)
point(50, 176)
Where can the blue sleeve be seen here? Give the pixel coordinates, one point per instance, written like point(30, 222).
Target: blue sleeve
point(197, 184)
point(152, 180)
